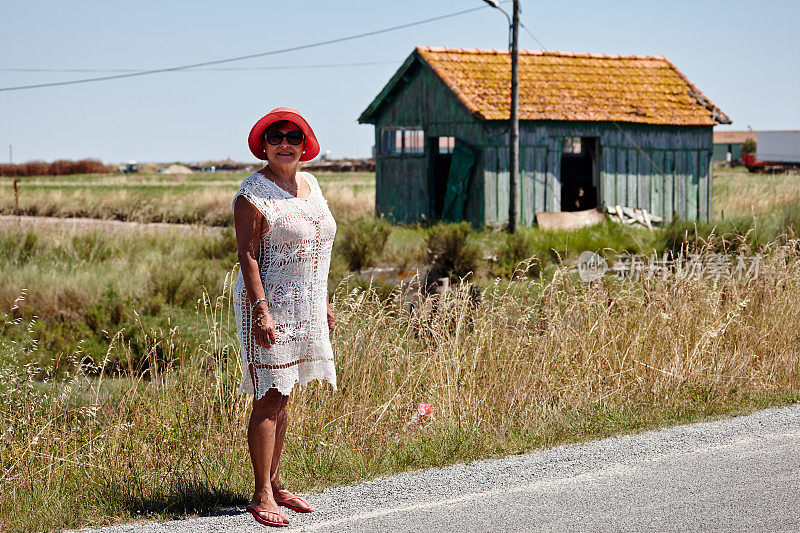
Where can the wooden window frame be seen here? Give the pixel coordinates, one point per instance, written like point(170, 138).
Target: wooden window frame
point(386, 150)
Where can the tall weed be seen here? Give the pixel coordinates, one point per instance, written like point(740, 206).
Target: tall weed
point(451, 252)
point(363, 241)
point(539, 362)
point(516, 255)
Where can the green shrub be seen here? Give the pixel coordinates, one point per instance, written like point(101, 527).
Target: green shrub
point(728, 236)
point(28, 247)
point(749, 146)
point(790, 220)
point(450, 252)
point(363, 242)
point(513, 255)
point(18, 248)
point(92, 247)
point(222, 247)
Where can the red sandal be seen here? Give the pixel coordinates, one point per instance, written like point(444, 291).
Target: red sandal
point(261, 520)
point(286, 504)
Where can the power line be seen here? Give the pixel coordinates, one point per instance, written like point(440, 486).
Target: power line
point(271, 67)
point(242, 58)
point(533, 36)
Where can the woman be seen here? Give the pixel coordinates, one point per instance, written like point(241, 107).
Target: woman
point(284, 232)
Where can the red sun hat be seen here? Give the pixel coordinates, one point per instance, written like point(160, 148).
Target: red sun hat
point(256, 138)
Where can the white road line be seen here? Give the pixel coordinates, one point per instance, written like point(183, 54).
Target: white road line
point(610, 471)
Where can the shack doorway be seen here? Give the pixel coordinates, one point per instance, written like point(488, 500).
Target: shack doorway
point(441, 150)
point(579, 173)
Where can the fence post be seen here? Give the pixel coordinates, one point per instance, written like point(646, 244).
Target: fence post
point(16, 197)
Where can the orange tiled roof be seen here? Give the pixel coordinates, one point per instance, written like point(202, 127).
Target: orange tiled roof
point(569, 86)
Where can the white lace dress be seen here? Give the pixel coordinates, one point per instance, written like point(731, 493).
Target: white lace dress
point(294, 257)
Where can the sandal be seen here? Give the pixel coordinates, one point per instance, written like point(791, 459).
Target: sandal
point(286, 503)
point(261, 520)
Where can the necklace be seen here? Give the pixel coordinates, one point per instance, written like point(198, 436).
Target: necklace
point(290, 188)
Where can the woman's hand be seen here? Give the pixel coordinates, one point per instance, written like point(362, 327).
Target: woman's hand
point(331, 320)
point(264, 331)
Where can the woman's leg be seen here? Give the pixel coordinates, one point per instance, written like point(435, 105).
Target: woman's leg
point(280, 435)
point(278, 491)
point(261, 437)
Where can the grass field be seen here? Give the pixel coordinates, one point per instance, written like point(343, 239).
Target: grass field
point(203, 198)
point(119, 362)
point(738, 192)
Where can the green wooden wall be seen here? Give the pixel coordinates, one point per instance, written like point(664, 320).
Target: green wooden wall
point(403, 183)
point(664, 169)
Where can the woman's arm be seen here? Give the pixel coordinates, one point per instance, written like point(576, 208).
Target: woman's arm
point(247, 221)
point(331, 318)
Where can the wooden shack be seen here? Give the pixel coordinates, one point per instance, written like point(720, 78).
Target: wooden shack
point(595, 130)
point(728, 145)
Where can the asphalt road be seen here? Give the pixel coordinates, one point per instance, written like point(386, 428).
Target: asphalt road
point(741, 474)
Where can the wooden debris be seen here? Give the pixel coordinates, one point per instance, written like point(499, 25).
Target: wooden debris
point(633, 215)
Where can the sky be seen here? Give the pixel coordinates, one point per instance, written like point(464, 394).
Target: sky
point(745, 56)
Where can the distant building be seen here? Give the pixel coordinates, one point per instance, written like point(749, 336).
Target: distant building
point(595, 130)
point(779, 145)
point(728, 145)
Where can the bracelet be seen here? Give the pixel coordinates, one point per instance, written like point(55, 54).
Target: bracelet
point(258, 302)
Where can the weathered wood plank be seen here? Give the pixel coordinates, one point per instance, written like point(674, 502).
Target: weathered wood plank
point(710, 198)
point(406, 180)
point(402, 187)
point(553, 195)
point(502, 184)
point(633, 178)
point(490, 184)
point(657, 183)
point(540, 180)
point(527, 184)
point(643, 180)
point(477, 200)
point(692, 185)
point(669, 185)
point(422, 189)
point(681, 170)
point(608, 184)
point(621, 177)
point(702, 187)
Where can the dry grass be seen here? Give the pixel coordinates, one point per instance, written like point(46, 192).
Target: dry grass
point(203, 198)
point(738, 192)
point(537, 363)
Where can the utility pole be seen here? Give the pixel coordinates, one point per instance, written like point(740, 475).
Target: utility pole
point(513, 160)
point(513, 137)
point(10, 155)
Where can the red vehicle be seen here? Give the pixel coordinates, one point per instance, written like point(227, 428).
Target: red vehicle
point(755, 165)
point(778, 151)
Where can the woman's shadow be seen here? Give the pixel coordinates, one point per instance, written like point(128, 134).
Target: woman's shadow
point(178, 499)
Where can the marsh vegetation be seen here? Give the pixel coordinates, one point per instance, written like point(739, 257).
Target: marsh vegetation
point(120, 364)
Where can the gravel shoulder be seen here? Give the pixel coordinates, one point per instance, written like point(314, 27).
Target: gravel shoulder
point(739, 474)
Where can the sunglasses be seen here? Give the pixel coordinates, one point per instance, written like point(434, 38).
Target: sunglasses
point(293, 137)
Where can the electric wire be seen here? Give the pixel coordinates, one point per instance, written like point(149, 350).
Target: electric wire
point(128, 73)
point(215, 69)
point(244, 57)
point(524, 27)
